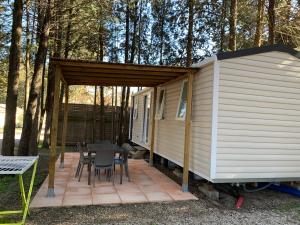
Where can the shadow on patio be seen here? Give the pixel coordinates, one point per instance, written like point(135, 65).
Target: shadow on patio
point(147, 185)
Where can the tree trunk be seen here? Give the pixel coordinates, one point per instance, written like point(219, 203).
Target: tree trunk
point(126, 121)
point(232, 23)
point(102, 121)
point(259, 23)
point(101, 43)
point(28, 131)
point(121, 118)
point(68, 32)
point(162, 22)
point(115, 114)
point(127, 33)
point(134, 32)
point(48, 106)
point(112, 115)
point(139, 30)
point(189, 46)
point(27, 57)
point(40, 127)
point(271, 22)
point(51, 72)
point(94, 116)
point(15, 54)
point(223, 25)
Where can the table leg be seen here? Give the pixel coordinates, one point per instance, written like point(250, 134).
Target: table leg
point(25, 199)
point(25, 212)
point(89, 168)
point(23, 195)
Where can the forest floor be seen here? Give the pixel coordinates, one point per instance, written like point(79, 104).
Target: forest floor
point(265, 207)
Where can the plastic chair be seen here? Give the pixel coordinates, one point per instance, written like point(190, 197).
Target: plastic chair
point(122, 160)
point(83, 160)
point(104, 159)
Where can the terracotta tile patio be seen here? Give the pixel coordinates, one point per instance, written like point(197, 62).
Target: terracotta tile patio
point(147, 185)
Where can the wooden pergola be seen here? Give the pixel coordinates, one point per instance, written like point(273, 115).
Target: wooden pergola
point(83, 72)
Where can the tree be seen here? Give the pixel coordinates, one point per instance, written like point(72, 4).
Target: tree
point(102, 121)
point(271, 22)
point(127, 33)
point(57, 34)
point(134, 33)
point(223, 24)
point(29, 130)
point(259, 23)
point(8, 143)
point(232, 23)
point(27, 55)
point(190, 34)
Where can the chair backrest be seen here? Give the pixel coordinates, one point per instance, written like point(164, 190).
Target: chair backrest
point(80, 150)
point(105, 157)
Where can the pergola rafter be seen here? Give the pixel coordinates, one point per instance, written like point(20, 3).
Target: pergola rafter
point(80, 72)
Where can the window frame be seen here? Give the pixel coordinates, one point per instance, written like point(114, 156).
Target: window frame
point(180, 99)
point(135, 107)
point(160, 106)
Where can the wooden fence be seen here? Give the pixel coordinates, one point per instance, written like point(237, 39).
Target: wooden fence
point(80, 123)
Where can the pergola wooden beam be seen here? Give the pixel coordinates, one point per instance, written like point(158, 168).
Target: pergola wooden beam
point(115, 75)
point(65, 127)
point(113, 83)
point(186, 157)
point(54, 127)
point(120, 66)
point(117, 71)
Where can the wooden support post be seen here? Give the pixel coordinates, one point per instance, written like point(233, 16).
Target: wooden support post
point(54, 126)
point(188, 113)
point(65, 127)
point(153, 126)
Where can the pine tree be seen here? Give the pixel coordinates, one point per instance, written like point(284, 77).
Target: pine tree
point(8, 143)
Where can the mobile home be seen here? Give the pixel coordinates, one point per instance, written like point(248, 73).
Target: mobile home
point(245, 121)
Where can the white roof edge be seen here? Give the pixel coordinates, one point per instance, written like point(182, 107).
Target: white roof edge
point(206, 61)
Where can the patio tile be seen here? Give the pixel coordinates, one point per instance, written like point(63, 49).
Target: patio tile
point(179, 195)
point(158, 196)
point(78, 191)
point(129, 187)
point(129, 197)
point(43, 201)
point(150, 188)
point(72, 200)
point(147, 185)
point(108, 198)
point(104, 190)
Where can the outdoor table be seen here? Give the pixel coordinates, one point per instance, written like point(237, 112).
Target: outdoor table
point(18, 165)
point(93, 148)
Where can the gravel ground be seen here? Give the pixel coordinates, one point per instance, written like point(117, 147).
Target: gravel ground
point(264, 207)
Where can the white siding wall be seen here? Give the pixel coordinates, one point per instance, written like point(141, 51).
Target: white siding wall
point(259, 117)
point(137, 124)
point(169, 141)
point(169, 132)
point(200, 153)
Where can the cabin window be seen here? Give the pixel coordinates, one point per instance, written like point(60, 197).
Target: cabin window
point(135, 108)
point(182, 101)
point(160, 105)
